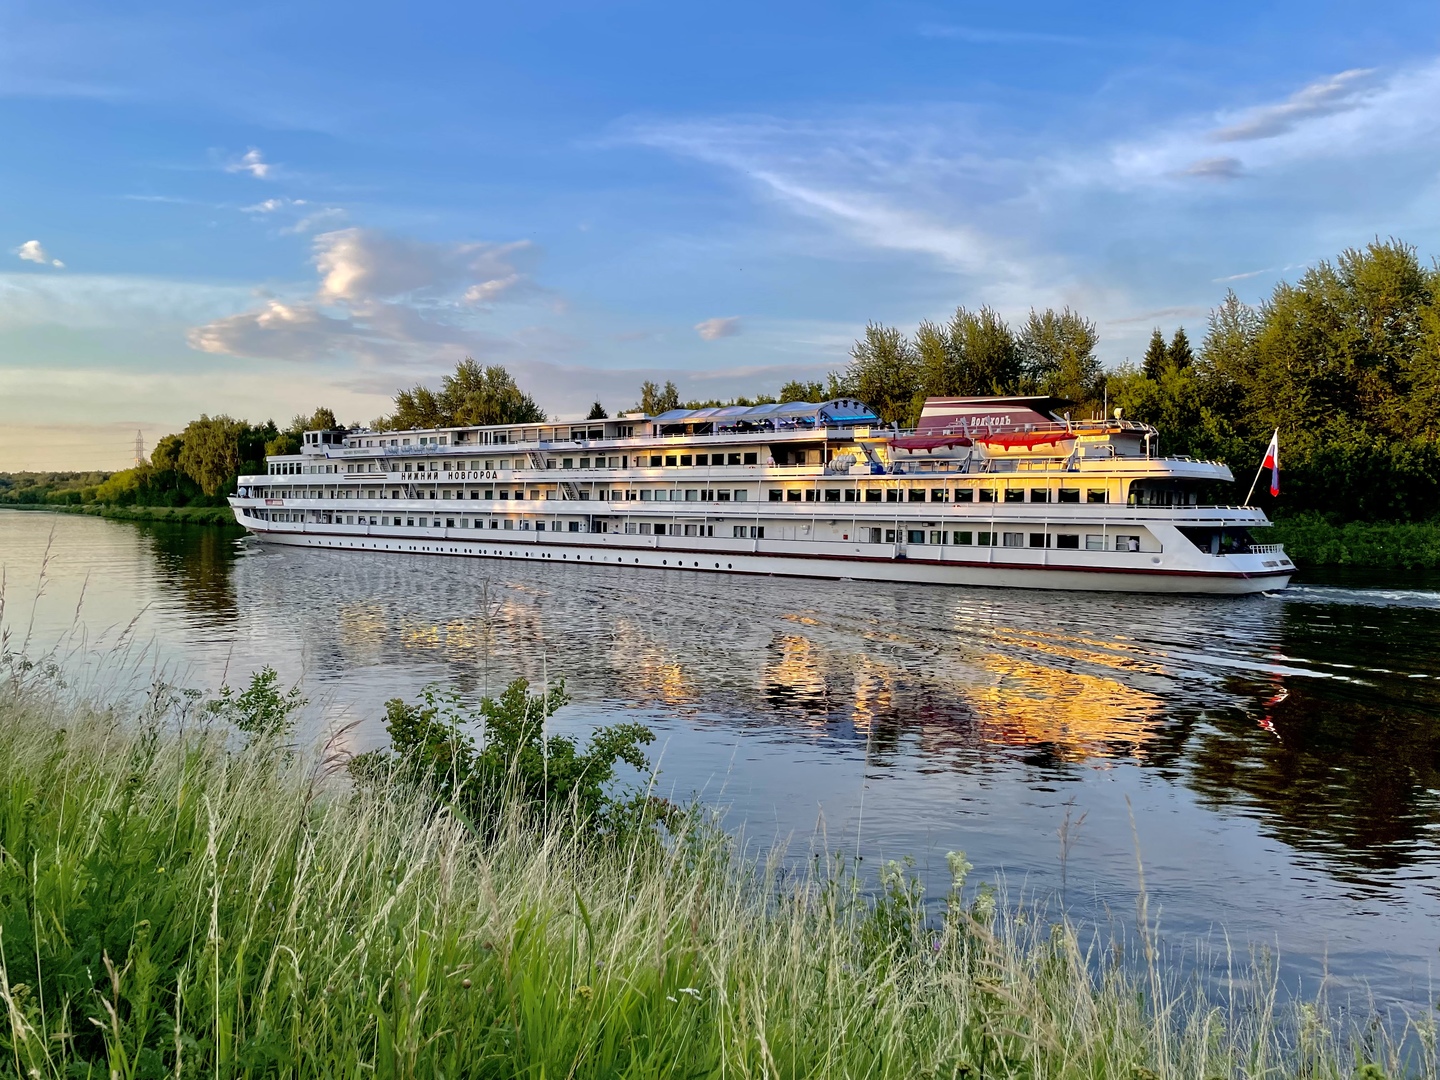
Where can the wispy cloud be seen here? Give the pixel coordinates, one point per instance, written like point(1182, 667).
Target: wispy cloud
point(252, 162)
point(271, 206)
point(1325, 97)
point(377, 297)
point(32, 251)
point(1215, 168)
point(1243, 277)
point(979, 35)
point(1339, 118)
point(714, 329)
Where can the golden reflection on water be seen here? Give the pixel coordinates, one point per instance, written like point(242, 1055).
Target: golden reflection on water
point(648, 669)
point(1076, 714)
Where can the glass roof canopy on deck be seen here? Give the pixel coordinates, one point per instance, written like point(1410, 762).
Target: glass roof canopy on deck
point(782, 416)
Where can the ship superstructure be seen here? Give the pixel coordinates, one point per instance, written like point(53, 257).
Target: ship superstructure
point(985, 491)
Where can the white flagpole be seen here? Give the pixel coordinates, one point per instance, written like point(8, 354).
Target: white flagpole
point(1261, 469)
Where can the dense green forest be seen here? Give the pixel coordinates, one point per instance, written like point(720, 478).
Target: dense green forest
point(1344, 362)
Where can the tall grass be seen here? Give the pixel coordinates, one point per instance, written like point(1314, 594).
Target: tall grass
point(174, 905)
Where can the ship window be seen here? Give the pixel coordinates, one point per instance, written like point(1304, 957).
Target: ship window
point(937, 537)
point(431, 493)
point(832, 494)
point(444, 495)
point(792, 496)
point(1039, 494)
point(733, 459)
point(685, 459)
point(758, 532)
point(539, 526)
point(689, 530)
point(645, 495)
point(669, 459)
point(1095, 495)
point(915, 536)
point(810, 495)
point(646, 528)
point(489, 493)
point(504, 494)
point(1014, 495)
point(1127, 543)
point(1070, 495)
point(738, 531)
point(962, 537)
point(659, 528)
point(752, 458)
point(494, 524)
point(1039, 540)
point(567, 463)
point(852, 495)
point(987, 495)
point(892, 495)
point(917, 494)
point(449, 523)
point(722, 496)
point(986, 539)
point(1094, 542)
point(654, 461)
point(702, 459)
point(1013, 539)
point(741, 495)
point(1068, 540)
point(574, 526)
point(691, 495)
point(662, 496)
point(872, 495)
point(584, 462)
point(409, 466)
point(889, 536)
point(939, 495)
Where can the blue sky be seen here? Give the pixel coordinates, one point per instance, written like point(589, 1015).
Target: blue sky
point(255, 209)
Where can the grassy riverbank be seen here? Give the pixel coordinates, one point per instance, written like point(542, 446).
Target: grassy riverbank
point(1378, 545)
point(171, 905)
point(177, 515)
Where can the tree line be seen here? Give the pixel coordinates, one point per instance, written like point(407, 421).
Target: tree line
point(1345, 362)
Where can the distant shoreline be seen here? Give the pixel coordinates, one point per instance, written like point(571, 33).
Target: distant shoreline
point(212, 516)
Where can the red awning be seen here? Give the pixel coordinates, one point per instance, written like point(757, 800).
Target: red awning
point(1029, 439)
point(929, 442)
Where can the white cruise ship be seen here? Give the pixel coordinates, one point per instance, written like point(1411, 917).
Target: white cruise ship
point(986, 491)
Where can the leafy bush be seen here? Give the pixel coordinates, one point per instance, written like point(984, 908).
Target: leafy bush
point(517, 762)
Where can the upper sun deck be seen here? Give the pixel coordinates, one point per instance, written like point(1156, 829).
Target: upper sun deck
point(974, 435)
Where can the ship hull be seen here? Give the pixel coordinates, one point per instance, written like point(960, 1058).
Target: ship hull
point(1043, 571)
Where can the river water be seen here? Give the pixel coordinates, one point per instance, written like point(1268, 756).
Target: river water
point(1272, 761)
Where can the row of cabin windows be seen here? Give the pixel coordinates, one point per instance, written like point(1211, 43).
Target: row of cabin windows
point(972, 538)
point(934, 537)
point(936, 495)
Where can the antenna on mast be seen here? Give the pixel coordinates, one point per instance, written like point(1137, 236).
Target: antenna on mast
point(139, 449)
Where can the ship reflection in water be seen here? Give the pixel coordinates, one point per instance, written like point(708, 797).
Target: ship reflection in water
point(1276, 758)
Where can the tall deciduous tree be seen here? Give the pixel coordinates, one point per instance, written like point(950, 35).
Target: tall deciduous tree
point(797, 390)
point(654, 400)
point(210, 452)
point(471, 395)
point(884, 372)
point(1057, 351)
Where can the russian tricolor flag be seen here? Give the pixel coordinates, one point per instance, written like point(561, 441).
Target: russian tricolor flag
point(1272, 462)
